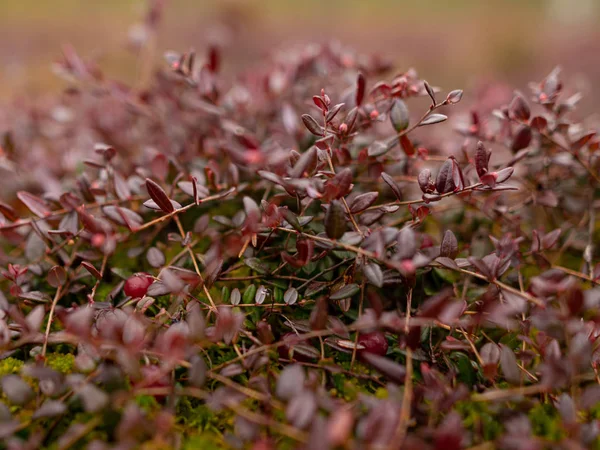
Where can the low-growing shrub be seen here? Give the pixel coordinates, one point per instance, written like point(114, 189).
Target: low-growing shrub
point(207, 263)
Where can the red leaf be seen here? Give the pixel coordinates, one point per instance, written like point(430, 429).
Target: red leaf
point(91, 269)
point(363, 201)
point(317, 100)
point(519, 109)
point(430, 92)
point(454, 97)
point(335, 220)
point(306, 162)
point(160, 166)
point(57, 276)
point(333, 112)
point(522, 138)
point(121, 188)
point(35, 204)
point(444, 181)
point(351, 118)
point(360, 89)
point(449, 246)
point(159, 196)
point(393, 185)
point(311, 124)
point(8, 212)
point(482, 158)
point(425, 181)
point(407, 145)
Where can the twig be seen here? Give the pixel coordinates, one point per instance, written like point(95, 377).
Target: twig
point(50, 317)
point(407, 397)
point(80, 433)
point(360, 308)
point(196, 268)
point(420, 200)
point(102, 269)
point(506, 394)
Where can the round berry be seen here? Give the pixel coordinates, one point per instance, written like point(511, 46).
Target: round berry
point(373, 343)
point(137, 285)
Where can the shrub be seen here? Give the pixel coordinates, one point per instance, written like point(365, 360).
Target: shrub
point(278, 218)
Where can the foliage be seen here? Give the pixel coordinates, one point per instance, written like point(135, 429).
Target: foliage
point(296, 260)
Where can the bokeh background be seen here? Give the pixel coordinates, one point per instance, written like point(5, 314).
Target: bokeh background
point(454, 43)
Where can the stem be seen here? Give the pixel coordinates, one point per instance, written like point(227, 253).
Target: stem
point(420, 200)
point(360, 308)
point(195, 263)
point(352, 219)
point(407, 397)
point(80, 433)
point(102, 269)
point(506, 394)
point(50, 317)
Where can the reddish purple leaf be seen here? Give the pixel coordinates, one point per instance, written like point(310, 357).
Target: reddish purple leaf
point(35, 204)
point(363, 201)
point(360, 89)
point(159, 196)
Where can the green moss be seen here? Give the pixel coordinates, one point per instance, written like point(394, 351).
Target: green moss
point(382, 393)
point(478, 419)
point(595, 412)
point(546, 422)
point(206, 441)
point(194, 415)
point(63, 363)
point(344, 387)
point(147, 402)
point(10, 366)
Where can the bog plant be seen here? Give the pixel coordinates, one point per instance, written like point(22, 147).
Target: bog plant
point(302, 258)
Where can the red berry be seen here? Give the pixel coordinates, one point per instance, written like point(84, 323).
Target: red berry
point(373, 343)
point(137, 285)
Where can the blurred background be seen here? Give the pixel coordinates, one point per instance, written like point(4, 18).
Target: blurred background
point(453, 44)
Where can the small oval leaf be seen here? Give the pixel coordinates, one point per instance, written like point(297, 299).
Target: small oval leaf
point(155, 257)
point(235, 297)
point(57, 276)
point(257, 265)
point(433, 118)
point(35, 204)
point(346, 291)
point(449, 247)
point(291, 296)
point(159, 196)
point(311, 124)
point(363, 201)
point(374, 274)
point(335, 220)
point(399, 115)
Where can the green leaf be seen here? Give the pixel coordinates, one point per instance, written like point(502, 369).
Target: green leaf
point(399, 115)
point(257, 265)
point(249, 294)
point(346, 291)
